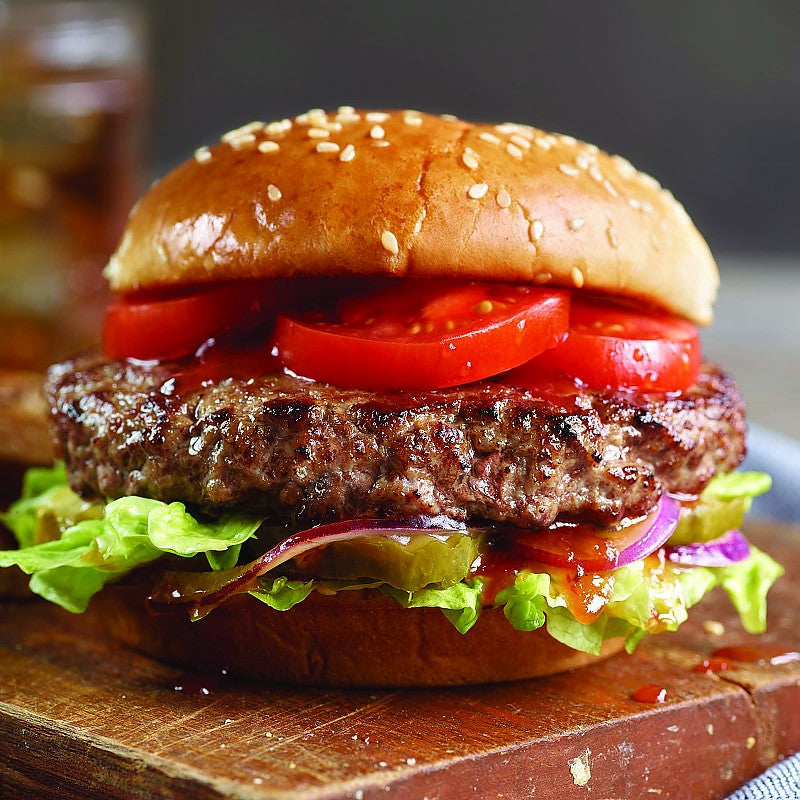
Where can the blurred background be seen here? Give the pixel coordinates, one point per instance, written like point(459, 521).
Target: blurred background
point(97, 99)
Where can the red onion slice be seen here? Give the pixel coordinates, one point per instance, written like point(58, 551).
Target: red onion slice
point(730, 548)
point(596, 549)
point(203, 591)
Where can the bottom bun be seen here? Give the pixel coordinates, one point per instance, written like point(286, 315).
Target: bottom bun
point(353, 638)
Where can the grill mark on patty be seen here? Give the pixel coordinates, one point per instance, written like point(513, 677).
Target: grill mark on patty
point(280, 445)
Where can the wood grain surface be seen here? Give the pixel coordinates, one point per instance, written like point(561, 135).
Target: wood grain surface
point(84, 718)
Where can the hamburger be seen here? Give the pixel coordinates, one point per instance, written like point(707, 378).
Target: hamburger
point(394, 399)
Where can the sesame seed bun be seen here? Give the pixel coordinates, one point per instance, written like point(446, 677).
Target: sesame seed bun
point(382, 643)
point(408, 194)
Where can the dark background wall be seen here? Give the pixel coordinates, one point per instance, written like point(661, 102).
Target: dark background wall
point(704, 95)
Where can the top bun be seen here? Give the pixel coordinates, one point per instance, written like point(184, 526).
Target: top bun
point(407, 194)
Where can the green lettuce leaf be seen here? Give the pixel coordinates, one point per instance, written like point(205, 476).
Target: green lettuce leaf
point(72, 548)
point(525, 601)
point(129, 532)
point(747, 584)
point(47, 507)
point(460, 603)
point(721, 507)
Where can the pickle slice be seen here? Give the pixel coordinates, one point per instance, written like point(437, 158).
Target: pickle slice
point(405, 562)
point(709, 518)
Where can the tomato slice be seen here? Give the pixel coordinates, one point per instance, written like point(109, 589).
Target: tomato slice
point(589, 547)
point(147, 326)
point(425, 334)
point(612, 347)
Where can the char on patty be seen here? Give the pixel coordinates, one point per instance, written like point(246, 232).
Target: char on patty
point(287, 447)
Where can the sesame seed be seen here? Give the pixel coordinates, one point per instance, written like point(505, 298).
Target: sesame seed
point(648, 180)
point(595, 174)
point(513, 150)
point(489, 137)
point(609, 187)
point(648, 208)
point(274, 193)
point(450, 117)
point(634, 203)
point(681, 213)
point(389, 242)
point(536, 230)
point(327, 147)
point(242, 140)
point(583, 160)
point(202, 154)
point(301, 119)
point(412, 118)
point(469, 161)
point(334, 127)
point(514, 127)
point(624, 167)
point(541, 142)
point(345, 110)
point(503, 198)
point(576, 223)
point(380, 143)
point(478, 190)
point(377, 132)
point(376, 116)
point(348, 154)
point(244, 130)
point(484, 307)
point(543, 277)
point(317, 117)
point(521, 141)
point(318, 133)
point(567, 169)
point(278, 127)
point(577, 277)
point(268, 147)
point(570, 141)
point(611, 233)
point(713, 627)
point(655, 241)
point(347, 116)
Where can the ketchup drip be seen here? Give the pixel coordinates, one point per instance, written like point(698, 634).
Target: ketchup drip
point(712, 666)
point(586, 593)
point(220, 360)
point(757, 654)
point(650, 693)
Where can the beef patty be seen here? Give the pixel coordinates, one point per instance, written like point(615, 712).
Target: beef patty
point(284, 446)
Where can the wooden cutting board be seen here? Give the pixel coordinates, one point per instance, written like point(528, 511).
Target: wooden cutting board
point(83, 718)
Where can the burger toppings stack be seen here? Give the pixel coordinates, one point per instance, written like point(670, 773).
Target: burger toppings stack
point(386, 398)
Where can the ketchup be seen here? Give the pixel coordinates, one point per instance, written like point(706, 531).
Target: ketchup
point(217, 361)
point(757, 654)
point(586, 593)
point(650, 693)
point(712, 665)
